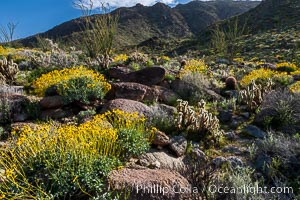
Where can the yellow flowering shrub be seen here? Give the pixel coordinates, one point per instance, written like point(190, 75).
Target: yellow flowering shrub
point(120, 58)
point(295, 88)
point(287, 64)
point(286, 67)
point(193, 66)
point(120, 119)
point(56, 160)
point(239, 60)
point(92, 137)
point(62, 76)
point(296, 72)
point(163, 59)
point(259, 75)
point(5, 51)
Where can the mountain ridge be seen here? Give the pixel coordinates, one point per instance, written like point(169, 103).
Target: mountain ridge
point(140, 23)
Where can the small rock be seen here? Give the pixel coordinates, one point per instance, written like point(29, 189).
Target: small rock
point(154, 165)
point(166, 160)
point(245, 115)
point(230, 135)
point(197, 154)
point(160, 138)
point(225, 116)
point(218, 161)
point(254, 131)
point(178, 145)
point(232, 150)
point(235, 161)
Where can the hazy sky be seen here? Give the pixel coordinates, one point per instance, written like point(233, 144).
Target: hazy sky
point(34, 16)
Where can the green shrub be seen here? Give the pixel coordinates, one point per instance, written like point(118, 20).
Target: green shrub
point(162, 120)
point(280, 165)
point(38, 72)
point(83, 89)
point(133, 142)
point(32, 108)
point(5, 110)
point(284, 107)
point(233, 179)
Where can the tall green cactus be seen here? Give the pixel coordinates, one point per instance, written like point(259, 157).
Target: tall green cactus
point(8, 71)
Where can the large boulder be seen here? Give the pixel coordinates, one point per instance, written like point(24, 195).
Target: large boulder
point(146, 76)
point(151, 184)
point(127, 105)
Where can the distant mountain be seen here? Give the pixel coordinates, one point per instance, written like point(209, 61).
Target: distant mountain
point(141, 23)
point(270, 14)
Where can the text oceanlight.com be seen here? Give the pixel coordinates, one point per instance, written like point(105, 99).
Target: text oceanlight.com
point(247, 189)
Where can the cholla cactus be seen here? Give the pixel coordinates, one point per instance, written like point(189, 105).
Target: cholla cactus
point(8, 71)
point(138, 57)
point(197, 121)
point(253, 95)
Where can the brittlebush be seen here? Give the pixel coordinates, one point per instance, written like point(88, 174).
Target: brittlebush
point(63, 76)
point(259, 76)
point(193, 66)
point(57, 161)
point(295, 88)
